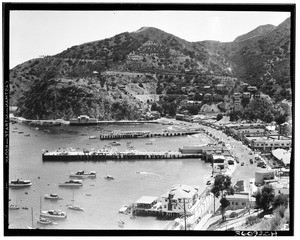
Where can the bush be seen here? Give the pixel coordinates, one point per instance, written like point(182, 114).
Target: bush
point(252, 220)
point(233, 215)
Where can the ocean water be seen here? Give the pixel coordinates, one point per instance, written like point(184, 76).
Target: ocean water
point(100, 198)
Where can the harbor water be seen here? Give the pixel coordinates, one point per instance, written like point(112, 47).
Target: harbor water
point(100, 198)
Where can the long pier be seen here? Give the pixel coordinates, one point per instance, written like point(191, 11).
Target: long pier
point(118, 156)
point(144, 134)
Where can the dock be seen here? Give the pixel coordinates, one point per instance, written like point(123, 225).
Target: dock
point(144, 134)
point(99, 155)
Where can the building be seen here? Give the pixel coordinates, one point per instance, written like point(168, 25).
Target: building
point(251, 88)
point(282, 156)
point(268, 143)
point(281, 187)
point(180, 197)
point(237, 97)
point(262, 175)
point(146, 202)
point(155, 114)
point(220, 87)
point(247, 95)
point(207, 97)
point(83, 120)
point(285, 129)
point(240, 201)
point(218, 161)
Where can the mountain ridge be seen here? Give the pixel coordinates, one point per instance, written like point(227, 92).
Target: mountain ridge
point(151, 60)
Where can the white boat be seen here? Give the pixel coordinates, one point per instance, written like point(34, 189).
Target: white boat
point(114, 143)
point(149, 143)
point(20, 183)
point(82, 174)
point(44, 221)
point(71, 183)
point(109, 177)
point(13, 207)
point(92, 137)
point(51, 196)
point(124, 209)
point(121, 223)
point(73, 206)
point(53, 214)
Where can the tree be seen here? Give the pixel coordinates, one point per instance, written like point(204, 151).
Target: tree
point(280, 200)
point(222, 187)
point(265, 197)
point(219, 117)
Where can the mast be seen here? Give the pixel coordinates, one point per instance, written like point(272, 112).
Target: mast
point(32, 217)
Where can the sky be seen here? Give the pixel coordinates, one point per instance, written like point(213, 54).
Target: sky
point(36, 33)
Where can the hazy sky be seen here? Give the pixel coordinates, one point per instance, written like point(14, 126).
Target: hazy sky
point(35, 33)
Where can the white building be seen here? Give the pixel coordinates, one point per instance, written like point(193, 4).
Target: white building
point(283, 156)
point(174, 200)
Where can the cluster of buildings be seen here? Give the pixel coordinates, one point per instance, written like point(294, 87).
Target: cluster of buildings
point(179, 200)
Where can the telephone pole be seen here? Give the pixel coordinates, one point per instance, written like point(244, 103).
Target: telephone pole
point(184, 214)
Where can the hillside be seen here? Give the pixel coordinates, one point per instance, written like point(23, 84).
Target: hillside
point(116, 77)
point(259, 31)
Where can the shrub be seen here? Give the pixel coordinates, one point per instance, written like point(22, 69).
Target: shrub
point(233, 215)
point(252, 220)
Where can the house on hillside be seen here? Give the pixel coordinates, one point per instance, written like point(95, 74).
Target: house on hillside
point(246, 95)
point(220, 87)
point(240, 200)
point(180, 197)
point(285, 129)
point(207, 97)
point(251, 88)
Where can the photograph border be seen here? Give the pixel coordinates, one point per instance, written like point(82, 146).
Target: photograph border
point(7, 8)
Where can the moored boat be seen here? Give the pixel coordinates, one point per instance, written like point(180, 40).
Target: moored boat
point(75, 207)
point(71, 183)
point(13, 207)
point(53, 214)
point(51, 196)
point(20, 183)
point(121, 223)
point(109, 177)
point(114, 143)
point(44, 221)
point(82, 174)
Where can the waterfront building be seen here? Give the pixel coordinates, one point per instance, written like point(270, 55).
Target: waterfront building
point(179, 199)
point(82, 120)
point(145, 202)
point(218, 161)
point(240, 201)
point(282, 156)
point(262, 175)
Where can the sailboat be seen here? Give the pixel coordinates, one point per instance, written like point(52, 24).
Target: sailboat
point(43, 220)
point(14, 206)
point(73, 206)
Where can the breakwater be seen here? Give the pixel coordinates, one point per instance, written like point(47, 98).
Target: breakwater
point(103, 156)
point(143, 134)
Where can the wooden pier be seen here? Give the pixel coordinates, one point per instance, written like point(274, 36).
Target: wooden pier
point(124, 135)
point(117, 156)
